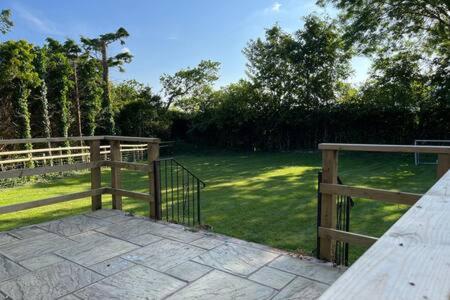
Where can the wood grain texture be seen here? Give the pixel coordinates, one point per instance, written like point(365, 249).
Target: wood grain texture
point(116, 181)
point(96, 174)
point(348, 237)
point(48, 201)
point(411, 260)
point(385, 148)
point(370, 193)
point(328, 202)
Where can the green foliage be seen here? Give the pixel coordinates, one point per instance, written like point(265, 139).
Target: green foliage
point(375, 25)
point(59, 72)
point(100, 45)
point(90, 82)
point(189, 89)
point(17, 78)
point(139, 111)
point(5, 21)
point(300, 69)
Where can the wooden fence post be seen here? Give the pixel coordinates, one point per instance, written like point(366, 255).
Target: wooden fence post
point(443, 164)
point(116, 156)
point(328, 207)
point(96, 174)
point(153, 156)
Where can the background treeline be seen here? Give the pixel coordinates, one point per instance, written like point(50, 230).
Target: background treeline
point(296, 92)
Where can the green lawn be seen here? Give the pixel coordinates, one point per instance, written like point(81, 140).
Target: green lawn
point(268, 198)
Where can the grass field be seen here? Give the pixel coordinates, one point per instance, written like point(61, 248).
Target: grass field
point(268, 198)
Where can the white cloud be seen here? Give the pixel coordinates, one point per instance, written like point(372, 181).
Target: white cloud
point(276, 7)
point(125, 50)
point(40, 23)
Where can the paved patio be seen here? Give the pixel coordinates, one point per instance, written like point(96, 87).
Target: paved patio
point(110, 255)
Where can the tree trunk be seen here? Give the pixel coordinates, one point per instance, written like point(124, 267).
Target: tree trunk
point(77, 98)
point(108, 120)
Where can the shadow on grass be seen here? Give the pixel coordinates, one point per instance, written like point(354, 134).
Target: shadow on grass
point(268, 198)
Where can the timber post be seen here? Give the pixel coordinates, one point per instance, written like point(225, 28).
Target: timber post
point(96, 174)
point(328, 206)
point(155, 189)
point(116, 180)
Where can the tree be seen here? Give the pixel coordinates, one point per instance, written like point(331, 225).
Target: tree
point(17, 78)
point(43, 124)
point(90, 82)
point(73, 52)
point(100, 45)
point(301, 69)
point(5, 21)
point(396, 81)
point(375, 25)
point(189, 88)
point(59, 83)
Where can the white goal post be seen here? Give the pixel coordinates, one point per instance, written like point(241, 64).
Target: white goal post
point(417, 156)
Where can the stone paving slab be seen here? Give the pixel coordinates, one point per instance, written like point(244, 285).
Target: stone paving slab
point(163, 255)
point(136, 283)
point(9, 269)
point(272, 277)
point(135, 258)
point(319, 272)
point(74, 225)
point(112, 266)
point(27, 232)
point(236, 259)
point(302, 288)
point(188, 271)
point(36, 246)
point(94, 247)
point(50, 282)
point(38, 262)
point(221, 285)
point(6, 238)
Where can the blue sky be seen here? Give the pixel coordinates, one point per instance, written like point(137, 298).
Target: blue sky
point(166, 35)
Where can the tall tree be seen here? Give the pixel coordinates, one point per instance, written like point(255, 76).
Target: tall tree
point(5, 21)
point(375, 25)
point(90, 82)
point(301, 69)
point(100, 46)
point(17, 78)
point(73, 52)
point(59, 83)
point(187, 88)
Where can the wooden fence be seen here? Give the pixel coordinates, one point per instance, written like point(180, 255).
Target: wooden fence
point(412, 259)
point(330, 188)
point(58, 155)
point(97, 147)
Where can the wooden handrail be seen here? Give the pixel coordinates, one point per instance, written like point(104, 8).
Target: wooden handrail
point(347, 237)
point(78, 138)
point(410, 261)
point(369, 193)
point(329, 187)
point(95, 153)
point(386, 148)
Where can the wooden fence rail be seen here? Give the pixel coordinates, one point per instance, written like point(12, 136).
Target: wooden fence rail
point(327, 232)
point(47, 156)
point(95, 153)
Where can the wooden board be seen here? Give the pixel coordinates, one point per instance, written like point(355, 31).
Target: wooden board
point(96, 174)
point(328, 202)
point(410, 261)
point(369, 193)
point(385, 148)
point(49, 201)
point(347, 237)
point(46, 170)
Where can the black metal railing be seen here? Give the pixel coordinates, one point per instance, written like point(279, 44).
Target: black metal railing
point(179, 194)
point(344, 205)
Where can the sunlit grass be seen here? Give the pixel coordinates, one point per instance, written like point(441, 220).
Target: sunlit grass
point(269, 198)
